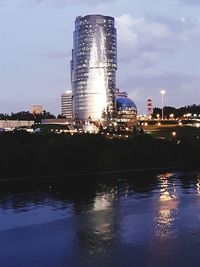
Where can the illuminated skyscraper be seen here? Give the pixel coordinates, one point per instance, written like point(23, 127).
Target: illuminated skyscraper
point(93, 67)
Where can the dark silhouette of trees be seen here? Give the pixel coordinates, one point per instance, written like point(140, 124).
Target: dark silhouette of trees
point(24, 155)
point(22, 115)
point(61, 116)
point(44, 115)
point(26, 115)
point(178, 112)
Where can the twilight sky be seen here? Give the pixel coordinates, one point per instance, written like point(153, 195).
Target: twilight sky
point(158, 47)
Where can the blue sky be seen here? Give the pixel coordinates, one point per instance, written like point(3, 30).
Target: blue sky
point(158, 47)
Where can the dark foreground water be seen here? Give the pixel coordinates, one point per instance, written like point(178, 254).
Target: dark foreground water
point(125, 220)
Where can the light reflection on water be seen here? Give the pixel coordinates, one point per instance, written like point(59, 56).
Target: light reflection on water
point(198, 184)
point(167, 207)
point(151, 218)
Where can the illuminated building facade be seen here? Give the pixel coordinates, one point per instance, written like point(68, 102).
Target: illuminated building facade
point(66, 104)
point(93, 67)
point(126, 111)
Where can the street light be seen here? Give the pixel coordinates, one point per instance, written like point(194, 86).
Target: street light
point(162, 95)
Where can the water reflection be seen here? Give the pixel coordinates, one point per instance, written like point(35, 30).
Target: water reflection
point(97, 233)
point(168, 207)
point(104, 200)
point(107, 223)
point(198, 184)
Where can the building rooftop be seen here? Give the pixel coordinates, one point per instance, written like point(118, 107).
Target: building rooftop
point(124, 103)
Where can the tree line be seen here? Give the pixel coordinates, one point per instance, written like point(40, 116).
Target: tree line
point(25, 155)
point(26, 115)
point(177, 112)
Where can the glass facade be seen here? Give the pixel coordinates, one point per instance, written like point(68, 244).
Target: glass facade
point(93, 67)
point(126, 111)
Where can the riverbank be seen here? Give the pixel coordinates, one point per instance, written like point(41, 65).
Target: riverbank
point(74, 177)
point(25, 155)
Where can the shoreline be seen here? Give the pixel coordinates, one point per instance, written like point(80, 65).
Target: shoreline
point(38, 158)
point(63, 177)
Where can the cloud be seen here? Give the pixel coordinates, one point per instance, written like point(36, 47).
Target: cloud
point(190, 2)
point(56, 55)
point(62, 3)
point(151, 52)
point(145, 41)
point(139, 37)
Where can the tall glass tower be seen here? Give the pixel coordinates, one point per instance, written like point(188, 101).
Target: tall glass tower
point(93, 67)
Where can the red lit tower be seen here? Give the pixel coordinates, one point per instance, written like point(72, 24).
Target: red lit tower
point(149, 107)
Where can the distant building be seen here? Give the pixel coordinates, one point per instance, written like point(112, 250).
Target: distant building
point(120, 94)
point(55, 121)
point(55, 126)
point(93, 67)
point(5, 124)
point(66, 105)
point(36, 109)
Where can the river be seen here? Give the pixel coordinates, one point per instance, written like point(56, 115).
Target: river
point(123, 220)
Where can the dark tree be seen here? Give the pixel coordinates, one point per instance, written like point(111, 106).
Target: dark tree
point(178, 112)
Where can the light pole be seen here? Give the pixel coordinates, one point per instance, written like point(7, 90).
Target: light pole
point(162, 95)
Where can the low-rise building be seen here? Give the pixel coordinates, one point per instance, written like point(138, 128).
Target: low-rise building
point(5, 124)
